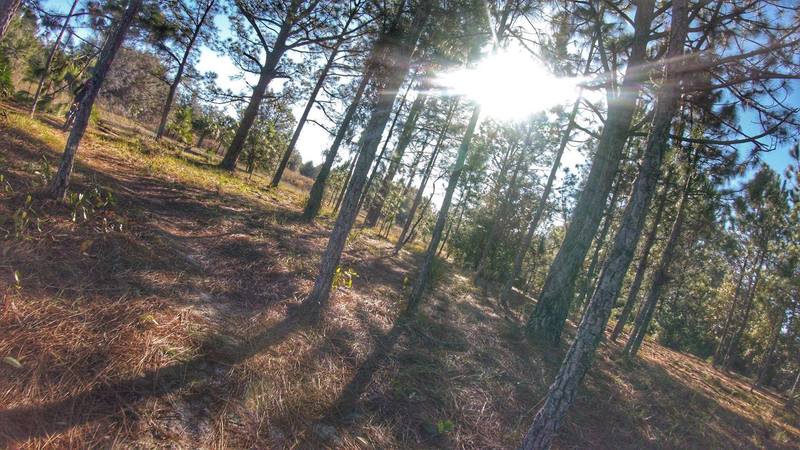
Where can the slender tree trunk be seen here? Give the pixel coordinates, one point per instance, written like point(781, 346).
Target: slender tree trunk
point(731, 311)
point(395, 62)
point(427, 264)
point(51, 57)
point(276, 179)
point(661, 275)
point(8, 11)
point(533, 224)
point(60, 183)
point(550, 313)
point(173, 87)
point(561, 394)
point(346, 184)
point(751, 293)
point(608, 215)
point(314, 202)
point(793, 391)
point(500, 213)
point(641, 267)
point(410, 125)
point(268, 72)
point(773, 344)
point(425, 177)
point(376, 166)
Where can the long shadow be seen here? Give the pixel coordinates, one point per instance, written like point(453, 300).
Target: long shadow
point(119, 398)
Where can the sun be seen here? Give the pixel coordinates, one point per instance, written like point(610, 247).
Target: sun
point(509, 85)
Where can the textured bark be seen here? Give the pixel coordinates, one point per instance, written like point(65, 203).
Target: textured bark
point(393, 66)
point(751, 294)
point(276, 179)
point(608, 215)
point(8, 11)
point(410, 125)
point(550, 314)
point(351, 167)
point(425, 178)
point(422, 278)
point(60, 183)
point(661, 275)
point(51, 57)
point(268, 73)
point(561, 394)
point(641, 268)
point(314, 202)
point(731, 311)
point(376, 166)
point(173, 87)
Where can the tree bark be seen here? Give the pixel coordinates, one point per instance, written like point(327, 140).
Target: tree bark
point(751, 293)
point(394, 66)
point(608, 215)
point(8, 11)
point(410, 125)
point(641, 268)
point(550, 313)
point(51, 57)
point(60, 183)
point(661, 275)
point(425, 177)
point(561, 394)
point(268, 72)
point(173, 87)
point(731, 311)
point(379, 159)
point(314, 202)
point(422, 278)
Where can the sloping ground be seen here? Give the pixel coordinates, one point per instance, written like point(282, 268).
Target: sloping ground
point(169, 319)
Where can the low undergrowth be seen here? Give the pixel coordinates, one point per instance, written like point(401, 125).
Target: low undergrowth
point(165, 314)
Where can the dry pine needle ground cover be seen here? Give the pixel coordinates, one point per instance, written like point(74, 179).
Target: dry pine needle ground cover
point(158, 308)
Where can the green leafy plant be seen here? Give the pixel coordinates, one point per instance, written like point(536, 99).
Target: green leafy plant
point(84, 205)
point(344, 278)
point(24, 218)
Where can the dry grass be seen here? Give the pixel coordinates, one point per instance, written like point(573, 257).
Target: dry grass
point(181, 329)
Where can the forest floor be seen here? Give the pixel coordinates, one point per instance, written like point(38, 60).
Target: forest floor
point(168, 317)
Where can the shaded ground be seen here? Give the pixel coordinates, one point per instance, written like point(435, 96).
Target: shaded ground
point(169, 319)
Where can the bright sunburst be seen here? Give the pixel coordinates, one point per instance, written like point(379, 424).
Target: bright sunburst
point(510, 85)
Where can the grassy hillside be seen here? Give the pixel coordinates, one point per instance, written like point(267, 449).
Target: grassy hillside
point(158, 309)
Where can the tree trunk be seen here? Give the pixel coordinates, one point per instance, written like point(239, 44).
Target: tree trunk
point(395, 62)
point(346, 184)
point(8, 11)
point(661, 275)
point(731, 311)
point(50, 57)
point(608, 215)
point(379, 159)
point(773, 344)
point(276, 179)
point(173, 87)
point(550, 314)
point(751, 293)
point(425, 177)
point(268, 72)
point(427, 264)
point(61, 181)
point(500, 212)
point(561, 394)
point(314, 202)
point(641, 267)
point(410, 125)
